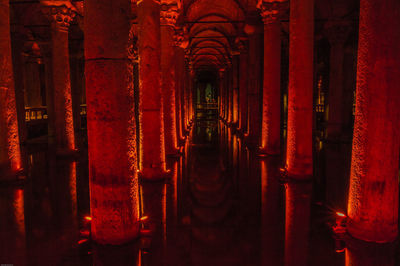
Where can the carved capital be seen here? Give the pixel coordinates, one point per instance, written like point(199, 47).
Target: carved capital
point(59, 16)
point(272, 11)
point(169, 14)
point(337, 31)
point(180, 38)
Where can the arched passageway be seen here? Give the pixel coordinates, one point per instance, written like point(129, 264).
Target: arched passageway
point(199, 132)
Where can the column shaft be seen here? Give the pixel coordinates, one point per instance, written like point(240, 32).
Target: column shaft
point(10, 154)
point(152, 123)
point(63, 116)
point(168, 88)
point(253, 92)
point(374, 185)
point(180, 63)
point(243, 68)
point(111, 122)
point(271, 107)
point(300, 99)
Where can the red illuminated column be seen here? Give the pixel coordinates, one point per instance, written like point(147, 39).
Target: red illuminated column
point(60, 19)
point(185, 96)
point(10, 154)
point(300, 102)
point(254, 85)
point(243, 68)
point(229, 92)
point(168, 61)
point(235, 89)
point(192, 87)
point(114, 201)
point(179, 84)
point(374, 185)
point(152, 124)
point(221, 93)
point(271, 107)
point(337, 33)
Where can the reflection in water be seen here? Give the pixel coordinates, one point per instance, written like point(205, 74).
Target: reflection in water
point(298, 204)
point(221, 205)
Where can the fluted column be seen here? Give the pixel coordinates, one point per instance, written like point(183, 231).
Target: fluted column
point(271, 107)
point(10, 154)
point(152, 123)
point(374, 183)
point(300, 102)
point(113, 179)
point(60, 18)
point(168, 18)
point(337, 33)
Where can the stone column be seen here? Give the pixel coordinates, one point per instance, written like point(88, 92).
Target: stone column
point(337, 33)
point(179, 85)
point(111, 122)
point(10, 153)
point(168, 18)
point(229, 93)
point(254, 83)
point(185, 96)
point(243, 68)
point(300, 100)
point(271, 107)
point(221, 93)
point(60, 19)
point(192, 87)
point(235, 89)
point(18, 41)
point(152, 122)
point(374, 184)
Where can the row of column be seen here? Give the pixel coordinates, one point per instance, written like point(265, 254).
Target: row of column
point(164, 109)
point(373, 193)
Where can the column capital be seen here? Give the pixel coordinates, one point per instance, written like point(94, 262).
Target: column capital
point(272, 10)
point(60, 15)
point(180, 38)
point(169, 14)
point(337, 31)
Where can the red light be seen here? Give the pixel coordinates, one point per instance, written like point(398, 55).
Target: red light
point(82, 241)
point(340, 250)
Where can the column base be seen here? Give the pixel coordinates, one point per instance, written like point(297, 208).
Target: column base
point(154, 175)
point(176, 153)
point(287, 177)
point(131, 237)
point(67, 153)
point(264, 152)
point(363, 233)
point(182, 141)
point(12, 178)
